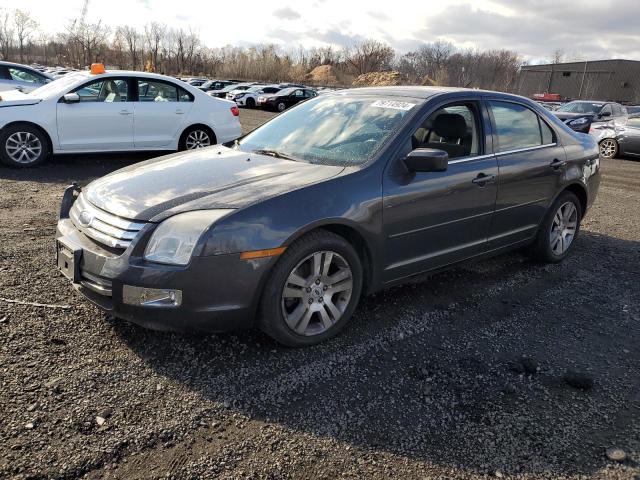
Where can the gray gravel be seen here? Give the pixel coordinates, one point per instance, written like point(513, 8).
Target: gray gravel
point(502, 369)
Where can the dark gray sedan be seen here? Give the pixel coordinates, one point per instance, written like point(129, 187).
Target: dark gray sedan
point(341, 196)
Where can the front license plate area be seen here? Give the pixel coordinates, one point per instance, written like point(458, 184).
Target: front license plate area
point(68, 260)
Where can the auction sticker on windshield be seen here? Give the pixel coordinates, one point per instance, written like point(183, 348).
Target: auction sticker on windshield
point(393, 104)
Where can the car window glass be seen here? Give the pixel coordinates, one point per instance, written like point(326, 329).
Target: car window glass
point(516, 126)
point(184, 96)
point(299, 93)
point(21, 75)
point(153, 91)
point(333, 130)
point(617, 111)
point(108, 90)
point(453, 129)
point(606, 109)
point(548, 136)
point(634, 122)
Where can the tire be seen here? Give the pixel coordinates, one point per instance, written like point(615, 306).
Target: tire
point(250, 103)
point(547, 247)
point(308, 312)
point(281, 106)
point(609, 148)
point(196, 137)
point(23, 146)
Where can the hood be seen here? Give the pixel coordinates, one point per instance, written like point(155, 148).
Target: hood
point(569, 115)
point(12, 98)
point(214, 177)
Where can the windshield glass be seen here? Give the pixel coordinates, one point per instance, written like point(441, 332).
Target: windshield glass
point(581, 107)
point(332, 130)
point(58, 86)
point(287, 91)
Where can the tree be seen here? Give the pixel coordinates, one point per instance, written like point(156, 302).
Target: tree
point(370, 56)
point(6, 34)
point(132, 39)
point(154, 33)
point(25, 27)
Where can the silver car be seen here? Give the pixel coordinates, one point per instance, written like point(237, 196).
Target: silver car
point(14, 76)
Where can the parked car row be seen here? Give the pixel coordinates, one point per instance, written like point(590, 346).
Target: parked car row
point(616, 127)
point(276, 96)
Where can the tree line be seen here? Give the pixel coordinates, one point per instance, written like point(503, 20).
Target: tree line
point(160, 48)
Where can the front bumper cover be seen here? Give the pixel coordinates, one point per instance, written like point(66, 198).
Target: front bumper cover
point(219, 292)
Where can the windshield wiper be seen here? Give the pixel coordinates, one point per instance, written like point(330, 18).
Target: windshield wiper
point(273, 153)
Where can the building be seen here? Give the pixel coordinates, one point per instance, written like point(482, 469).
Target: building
point(614, 80)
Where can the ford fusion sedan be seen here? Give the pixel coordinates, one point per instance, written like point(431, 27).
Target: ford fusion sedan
point(343, 195)
point(285, 98)
point(102, 111)
point(14, 76)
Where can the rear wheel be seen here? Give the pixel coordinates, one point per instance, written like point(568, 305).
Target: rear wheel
point(609, 148)
point(559, 229)
point(196, 137)
point(23, 146)
point(312, 291)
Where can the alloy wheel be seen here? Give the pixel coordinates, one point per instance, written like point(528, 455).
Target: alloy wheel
point(282, 107)
point(608, 148)
point(563, 228)
point(197, 139)
point(316, 293)
point(23, 147)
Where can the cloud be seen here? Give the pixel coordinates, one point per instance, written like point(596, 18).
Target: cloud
point(286, 13)
point(381, 16)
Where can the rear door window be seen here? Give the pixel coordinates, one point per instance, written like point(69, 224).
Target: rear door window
point(22, 75)
point(516, 126)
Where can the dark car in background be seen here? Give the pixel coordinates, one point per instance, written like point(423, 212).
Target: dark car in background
point(216, 84)
point(580, 115)
point(285, 98)
point(345, 194)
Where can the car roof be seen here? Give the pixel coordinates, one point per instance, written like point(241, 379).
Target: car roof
point(425, 92)
point(13, 64)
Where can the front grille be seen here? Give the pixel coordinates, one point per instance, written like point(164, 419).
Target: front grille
point(103, 227)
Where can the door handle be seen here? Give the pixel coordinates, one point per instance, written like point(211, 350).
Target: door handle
point(125, 112)
point(482, 179)
point(179, 112)
point(556, 164)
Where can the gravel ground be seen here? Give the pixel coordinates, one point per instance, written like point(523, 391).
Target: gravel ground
point(505, 368)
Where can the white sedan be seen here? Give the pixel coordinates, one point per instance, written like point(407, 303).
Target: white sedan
point(249, 97)
point(112, 111)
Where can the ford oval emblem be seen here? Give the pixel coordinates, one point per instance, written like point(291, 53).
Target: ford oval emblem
point(85, 219)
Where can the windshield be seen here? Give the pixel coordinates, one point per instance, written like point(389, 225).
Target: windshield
point(257, 88)
point(287, 91)
point(581, 107)
point(331, 130)
point(58, 86)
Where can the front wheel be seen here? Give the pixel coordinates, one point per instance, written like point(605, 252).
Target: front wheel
point(281, 106)
point(559, 229)
point(23, 146)
point(312, 291)
point(250, 103)
point(609, 148)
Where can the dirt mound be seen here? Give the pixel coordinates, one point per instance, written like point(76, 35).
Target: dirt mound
point(380, 79)
point(324, 75)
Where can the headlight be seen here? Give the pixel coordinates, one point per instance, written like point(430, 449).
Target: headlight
point(174, 239)
point(579, 121)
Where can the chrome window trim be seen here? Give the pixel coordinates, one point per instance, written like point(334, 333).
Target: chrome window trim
point(500, 154)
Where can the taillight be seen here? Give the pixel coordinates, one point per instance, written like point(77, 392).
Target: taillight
point(235, 111)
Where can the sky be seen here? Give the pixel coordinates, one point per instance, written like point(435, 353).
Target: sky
point(582, 29)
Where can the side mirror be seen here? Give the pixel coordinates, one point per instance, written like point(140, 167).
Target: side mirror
point(427, 160)
point(605, 114)
point(71, 98)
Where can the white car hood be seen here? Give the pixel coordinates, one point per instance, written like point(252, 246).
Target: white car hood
point(12, 98)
